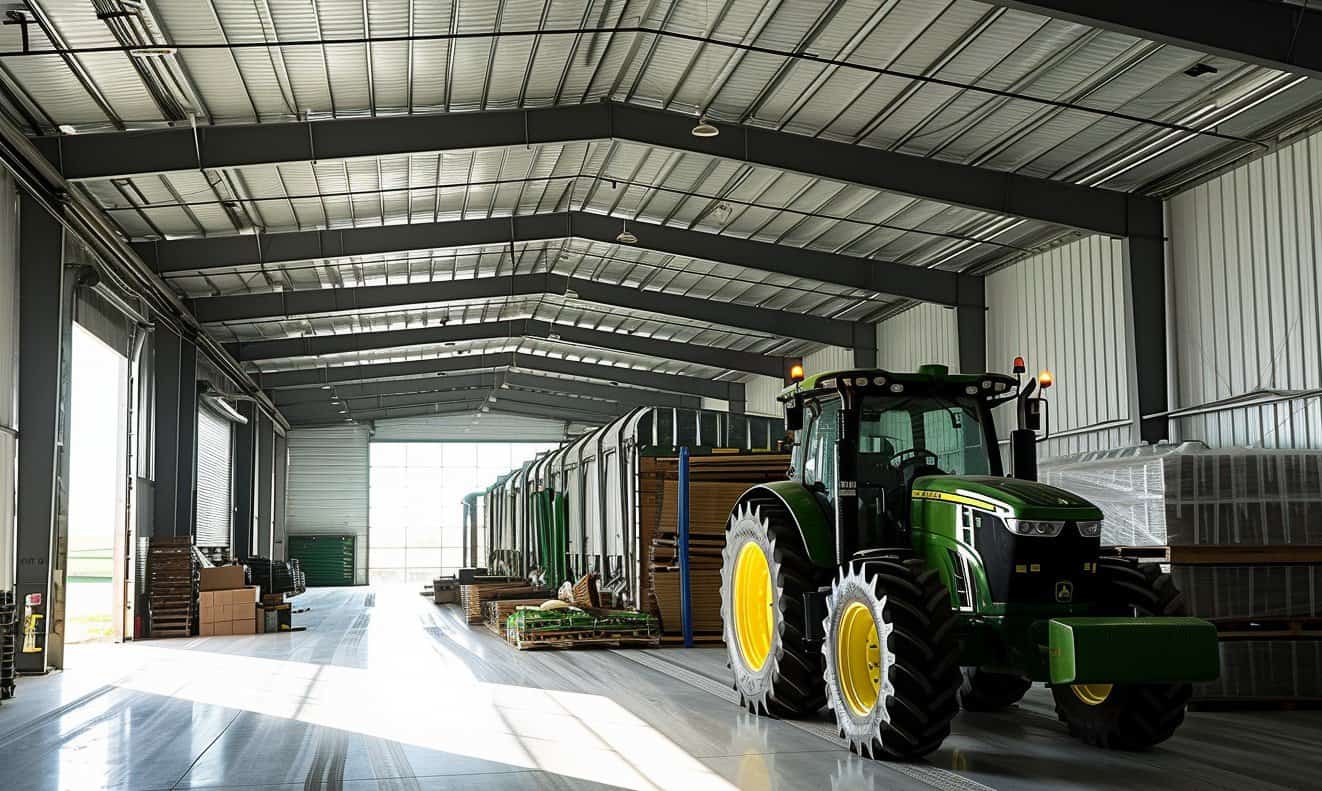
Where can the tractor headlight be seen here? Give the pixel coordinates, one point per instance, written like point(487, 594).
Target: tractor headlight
point(1089, 529)
point(1034, 527)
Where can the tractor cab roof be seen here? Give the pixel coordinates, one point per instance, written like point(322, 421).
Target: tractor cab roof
point(929, 379)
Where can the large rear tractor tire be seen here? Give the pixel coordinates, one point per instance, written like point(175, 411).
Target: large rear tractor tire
point(892, 657)
point(1127, 716)
point(764, 574)
point(985, 691)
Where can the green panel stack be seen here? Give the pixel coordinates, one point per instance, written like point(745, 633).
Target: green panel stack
point(327, 561)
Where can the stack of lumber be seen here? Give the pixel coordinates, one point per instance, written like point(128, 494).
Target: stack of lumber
point(8, 644)
point(715, 485)
point(499, 610)
point(171, 586)
point(1240, 530)
point(473, 597)
point(572, 627)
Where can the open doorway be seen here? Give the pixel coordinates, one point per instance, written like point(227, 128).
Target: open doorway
point(94, 598)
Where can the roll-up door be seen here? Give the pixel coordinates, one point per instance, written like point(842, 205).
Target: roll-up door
point(214, 471)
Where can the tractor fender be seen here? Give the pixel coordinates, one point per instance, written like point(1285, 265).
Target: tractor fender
point(810, 517)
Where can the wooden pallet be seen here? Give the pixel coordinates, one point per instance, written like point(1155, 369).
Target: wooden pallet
point(1225, 555)
point(171, 586)
point(1268, 628)
point(1255, 704)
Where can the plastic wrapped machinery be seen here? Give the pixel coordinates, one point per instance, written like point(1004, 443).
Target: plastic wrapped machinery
point(1190, 494)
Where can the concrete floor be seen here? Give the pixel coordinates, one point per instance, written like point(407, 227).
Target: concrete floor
point(386, 691)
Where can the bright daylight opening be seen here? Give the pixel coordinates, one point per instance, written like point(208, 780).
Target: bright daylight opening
point(96, 489)
point(416, 525)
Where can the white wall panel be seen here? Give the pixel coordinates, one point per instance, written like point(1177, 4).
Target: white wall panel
point(925, 334)
point(828, 358)
point(328, 486)
point(1064, 310)
point(760, 393)
point(491, 427)
point(1245, 267)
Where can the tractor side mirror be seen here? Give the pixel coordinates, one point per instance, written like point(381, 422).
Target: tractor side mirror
point(794, 415)
point(1033, 413)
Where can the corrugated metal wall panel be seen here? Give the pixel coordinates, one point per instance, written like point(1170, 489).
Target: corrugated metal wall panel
point(1245, 263)
point(760, 393)
point(214, 476)
point(923, 334)
point(491, 427)
point(328, 486)
point(8, 370)
point(828, 358)
point(1064, 310)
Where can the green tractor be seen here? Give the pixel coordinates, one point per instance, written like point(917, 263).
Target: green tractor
point(900, 575)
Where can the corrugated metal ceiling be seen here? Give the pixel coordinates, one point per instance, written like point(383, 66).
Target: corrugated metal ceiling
point(1066, 78)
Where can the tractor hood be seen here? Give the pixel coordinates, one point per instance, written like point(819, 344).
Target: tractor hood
point(1007, 496)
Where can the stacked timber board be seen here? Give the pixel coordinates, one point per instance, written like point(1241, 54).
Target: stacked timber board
point(715, 483)
point(1241, 532)
point(171, 586)
point(474, 595)
point(500, 609)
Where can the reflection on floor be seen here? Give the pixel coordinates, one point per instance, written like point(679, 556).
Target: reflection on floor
point(385, 691)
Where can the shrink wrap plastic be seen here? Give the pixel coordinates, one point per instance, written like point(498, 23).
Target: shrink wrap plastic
point(1180, 495)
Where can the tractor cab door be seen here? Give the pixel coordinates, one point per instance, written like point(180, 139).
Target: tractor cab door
point(818, 459)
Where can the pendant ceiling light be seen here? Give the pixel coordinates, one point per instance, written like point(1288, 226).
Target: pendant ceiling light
point(626, 236)
point(704, 128)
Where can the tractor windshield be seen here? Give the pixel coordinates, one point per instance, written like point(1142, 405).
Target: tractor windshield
point(941, 433)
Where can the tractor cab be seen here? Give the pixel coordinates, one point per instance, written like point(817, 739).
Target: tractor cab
point(865, 437)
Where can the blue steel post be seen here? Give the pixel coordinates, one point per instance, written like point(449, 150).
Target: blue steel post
point(685, 603)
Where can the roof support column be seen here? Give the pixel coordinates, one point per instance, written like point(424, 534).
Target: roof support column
point(245, 456)
point(736, 431)
point(264, 507)
point(1145, 321)
point(44, 331)
point(176, 433)
point(971, 325)
point(865, 344)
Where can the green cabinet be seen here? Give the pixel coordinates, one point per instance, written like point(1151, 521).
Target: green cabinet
point(326, 560)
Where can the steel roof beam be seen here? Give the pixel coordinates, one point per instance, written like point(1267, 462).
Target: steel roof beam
point(632, 396)
point(451, 408)
point(1282, 36)
point(672, 383)
point(699, 354)
point(112, 154)
point(291, 304)
point(266, 249)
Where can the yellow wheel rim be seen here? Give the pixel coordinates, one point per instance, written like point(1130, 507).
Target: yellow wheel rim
point(1092, 694)
point(858, 658)
point(754, 600)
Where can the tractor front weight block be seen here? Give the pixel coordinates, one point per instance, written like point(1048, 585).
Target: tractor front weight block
point(1132, 650)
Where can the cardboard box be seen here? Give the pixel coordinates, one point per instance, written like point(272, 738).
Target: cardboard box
point(221, 578)
point(206, 629)
point(245, 627)
point(223, 628)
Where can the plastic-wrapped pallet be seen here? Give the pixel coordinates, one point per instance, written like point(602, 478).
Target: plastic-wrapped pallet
point(1240, 592)
point(1267, 669)
point(1189, 494)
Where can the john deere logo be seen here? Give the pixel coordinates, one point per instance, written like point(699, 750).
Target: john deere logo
point(1064, 591)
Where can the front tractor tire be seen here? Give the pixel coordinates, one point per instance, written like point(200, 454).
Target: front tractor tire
point(892, 657)
point(765, 573)
point(1127, 716)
